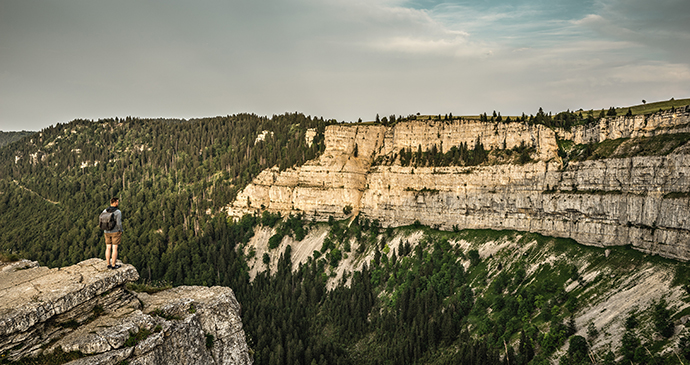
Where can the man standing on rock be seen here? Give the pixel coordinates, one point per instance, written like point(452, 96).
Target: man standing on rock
point(110, 221)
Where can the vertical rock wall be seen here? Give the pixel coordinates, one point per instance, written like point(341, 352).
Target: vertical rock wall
point(641, 201)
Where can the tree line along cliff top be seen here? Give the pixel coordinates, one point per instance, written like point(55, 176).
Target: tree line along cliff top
point(565, 119)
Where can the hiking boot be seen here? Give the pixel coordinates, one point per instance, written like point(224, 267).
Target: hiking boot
point(116, 267)
point(110, 267)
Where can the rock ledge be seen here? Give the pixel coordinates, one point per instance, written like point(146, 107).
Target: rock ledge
point(86, 308)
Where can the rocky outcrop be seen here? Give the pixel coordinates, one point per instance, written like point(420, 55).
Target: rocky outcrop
point(641, 201)
point(667, 122)
point(85, 308)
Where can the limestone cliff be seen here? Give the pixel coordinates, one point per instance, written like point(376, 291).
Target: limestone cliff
point(667, 122)
point(85, 309)
point(638, 200)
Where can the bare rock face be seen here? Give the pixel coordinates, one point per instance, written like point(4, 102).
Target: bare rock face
point(668, 122)
point(339, 177)
point(86, 308)
point(641, 201)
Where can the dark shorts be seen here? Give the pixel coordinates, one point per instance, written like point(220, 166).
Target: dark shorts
point(113, 238)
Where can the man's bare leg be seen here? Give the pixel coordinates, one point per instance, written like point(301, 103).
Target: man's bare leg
point(114, 255)
point(107, 253)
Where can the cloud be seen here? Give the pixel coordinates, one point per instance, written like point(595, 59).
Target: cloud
point(656, 72)
point(662, 25)
point(604, 26)
point(342, 59)
point(420, 45)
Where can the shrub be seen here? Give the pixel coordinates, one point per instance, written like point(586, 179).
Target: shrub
point(98, 310)
point(592, 331)
point(209, 340)
point(8, 257)
point(578, 349)
point(684, 345)
point(629, 344)
point(274, 241)
point(135, 338)
point(335, 257)
point(269, 219)
point(474, 257)
point(662, 319)
point(631, 321)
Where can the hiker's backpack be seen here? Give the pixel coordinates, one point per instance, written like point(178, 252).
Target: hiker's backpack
point(107, 220)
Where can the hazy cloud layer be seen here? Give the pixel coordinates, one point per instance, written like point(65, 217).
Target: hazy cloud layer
point(67, 59)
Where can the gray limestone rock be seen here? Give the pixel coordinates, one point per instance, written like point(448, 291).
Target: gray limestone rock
point(86, 308)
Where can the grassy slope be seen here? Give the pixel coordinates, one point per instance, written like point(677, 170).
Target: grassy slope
point(653, 107)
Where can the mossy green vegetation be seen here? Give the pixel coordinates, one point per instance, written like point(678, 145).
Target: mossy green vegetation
point(660, 145)
point(136, 337)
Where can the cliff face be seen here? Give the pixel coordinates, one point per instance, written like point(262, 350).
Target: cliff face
point(340, 176)
point(86, 308)
point(669, 122)
point(641, 201)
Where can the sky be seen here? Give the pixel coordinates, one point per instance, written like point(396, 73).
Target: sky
point(62, 60)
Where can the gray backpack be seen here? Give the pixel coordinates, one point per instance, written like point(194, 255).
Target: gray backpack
point(107, 220)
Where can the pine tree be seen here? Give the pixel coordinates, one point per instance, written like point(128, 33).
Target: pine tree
point(525, 349)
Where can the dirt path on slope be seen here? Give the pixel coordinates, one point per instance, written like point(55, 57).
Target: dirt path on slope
point(35, 193)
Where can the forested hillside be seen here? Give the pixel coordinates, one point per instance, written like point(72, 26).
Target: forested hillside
point(172, 177)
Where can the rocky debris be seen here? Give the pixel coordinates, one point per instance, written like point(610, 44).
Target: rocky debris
point(86, 308)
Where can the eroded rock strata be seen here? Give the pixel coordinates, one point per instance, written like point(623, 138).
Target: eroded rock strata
point(640, 200)
point(86, 308)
